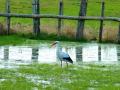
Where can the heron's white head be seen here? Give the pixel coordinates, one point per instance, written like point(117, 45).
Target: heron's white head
point(55, 43)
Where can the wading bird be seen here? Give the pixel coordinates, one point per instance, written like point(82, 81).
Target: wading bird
point(62, 56)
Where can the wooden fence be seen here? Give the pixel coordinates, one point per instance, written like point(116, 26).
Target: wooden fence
point(36, 16)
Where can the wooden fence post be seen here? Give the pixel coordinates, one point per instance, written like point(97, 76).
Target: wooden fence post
point(101, 22)
point(59, 20)
point(80, 27)
point(36, 21)
point(119, 34)
point(8, 18)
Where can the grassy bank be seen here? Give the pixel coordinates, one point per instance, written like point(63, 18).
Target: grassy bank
point(11, 40)
point(26, 39)
point(53, 77)
point(70, 8)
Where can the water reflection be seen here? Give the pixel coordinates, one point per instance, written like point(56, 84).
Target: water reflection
point(34, 56)
point(90, 53)
point(83, 53)
point(78, 54)
point(109, 53)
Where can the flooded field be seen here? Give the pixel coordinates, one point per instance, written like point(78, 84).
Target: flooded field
point(34, 67)
point(12, 55)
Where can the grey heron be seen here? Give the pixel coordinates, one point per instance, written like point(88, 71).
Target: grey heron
point(62, 56)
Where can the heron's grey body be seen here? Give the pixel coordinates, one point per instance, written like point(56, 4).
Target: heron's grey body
point(62, 56)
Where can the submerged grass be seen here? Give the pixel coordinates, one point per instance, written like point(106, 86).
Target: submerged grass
point(53, 77)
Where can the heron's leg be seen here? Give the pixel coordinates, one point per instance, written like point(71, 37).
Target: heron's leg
point(67, 64)
point(61, 63)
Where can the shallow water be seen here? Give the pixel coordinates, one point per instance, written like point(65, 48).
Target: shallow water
point(89, 52)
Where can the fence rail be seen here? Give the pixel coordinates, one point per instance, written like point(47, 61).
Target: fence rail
point(81, 18)
point(60, 17)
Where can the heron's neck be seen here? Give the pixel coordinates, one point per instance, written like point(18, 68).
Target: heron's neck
point(58, 48)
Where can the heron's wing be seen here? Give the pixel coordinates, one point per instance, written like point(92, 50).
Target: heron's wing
point(64, 55)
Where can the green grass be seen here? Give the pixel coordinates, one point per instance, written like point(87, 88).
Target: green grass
point(70, 8)
point(80, 77)
point(11, 39)
point(19, 40)
point(27, 39)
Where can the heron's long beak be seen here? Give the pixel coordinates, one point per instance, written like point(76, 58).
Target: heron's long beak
point(53, 44)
